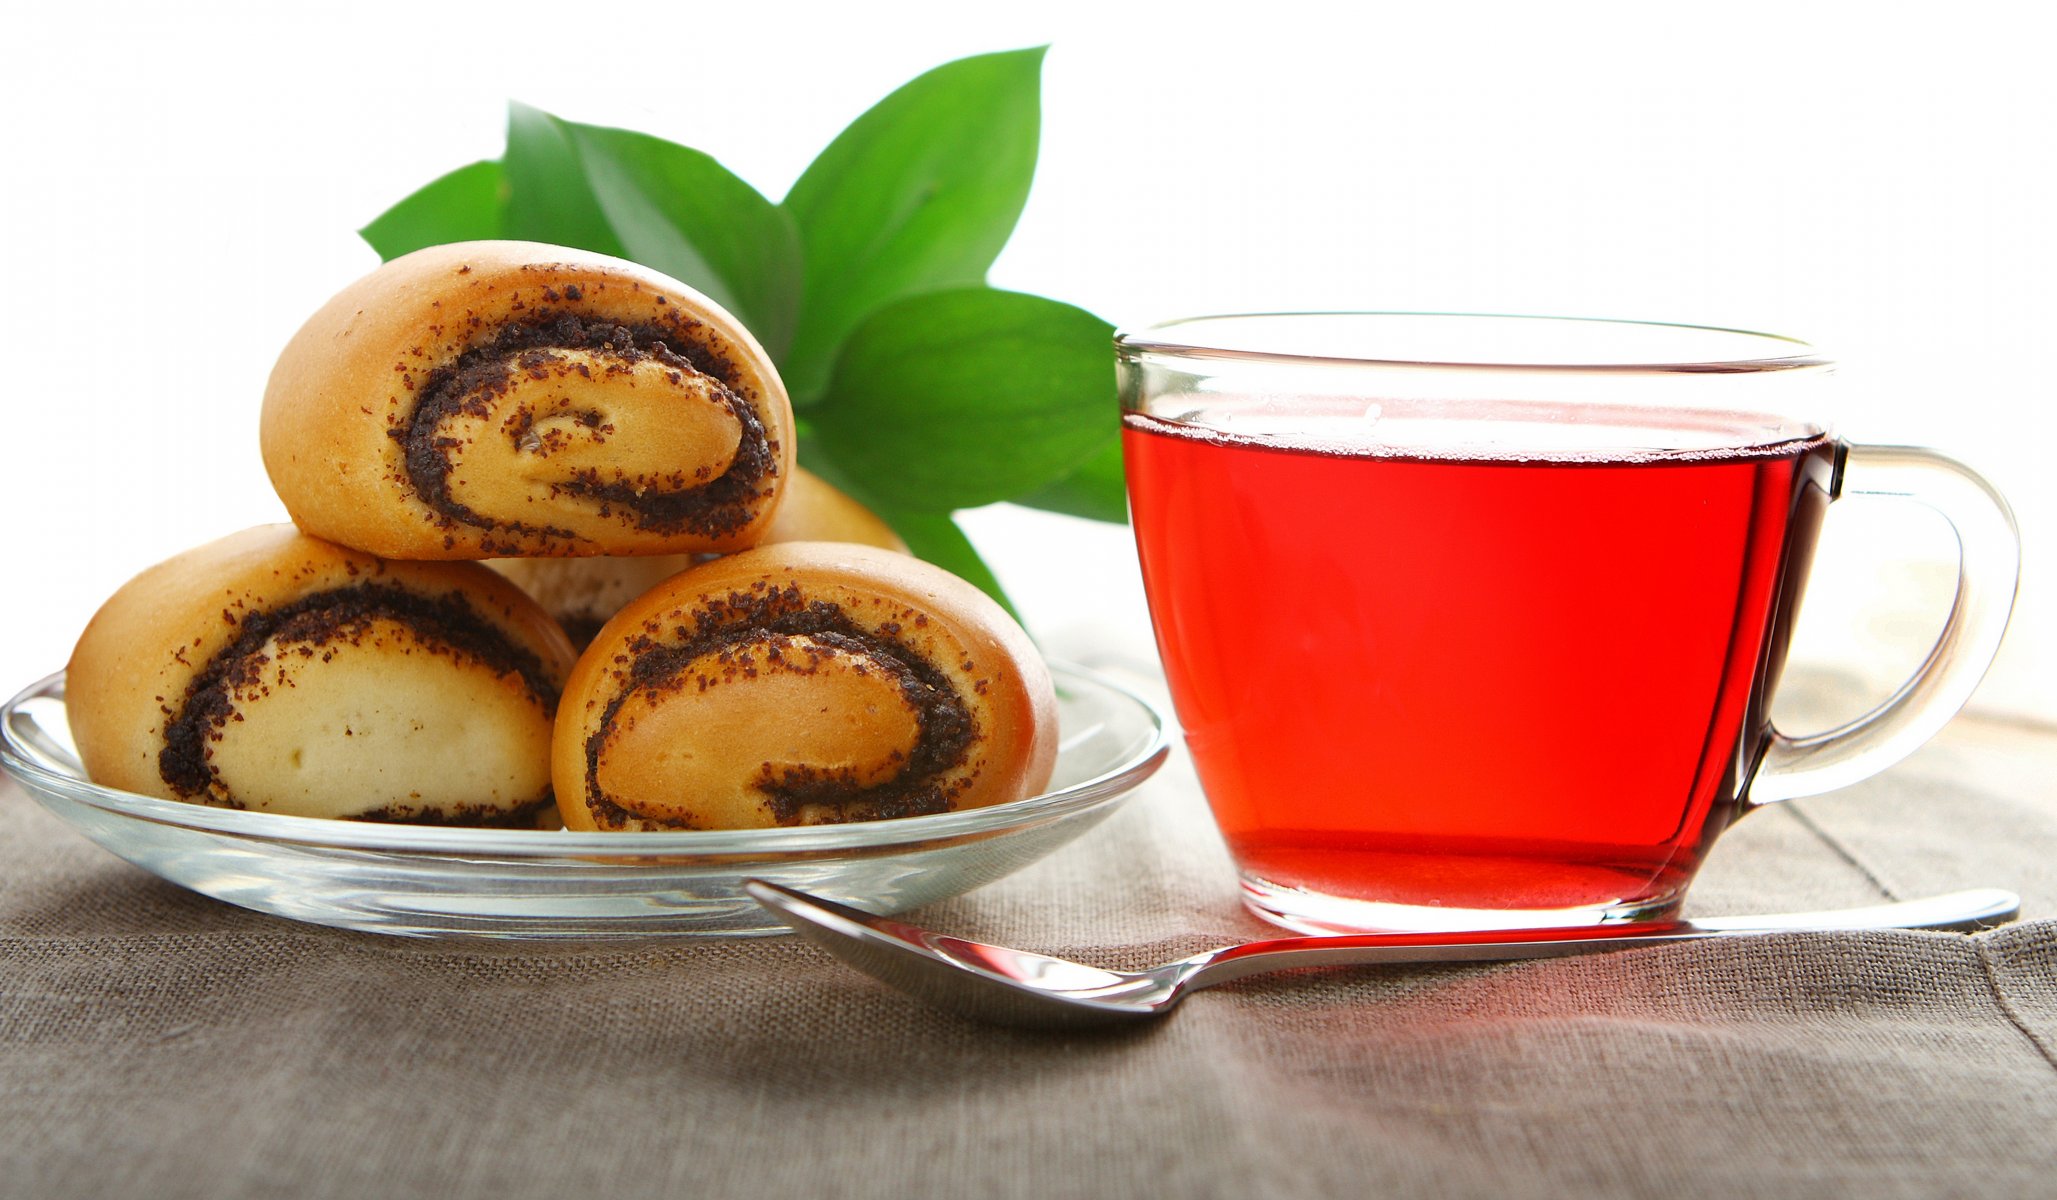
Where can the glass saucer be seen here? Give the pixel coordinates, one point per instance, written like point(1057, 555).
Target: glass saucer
point(440, 882)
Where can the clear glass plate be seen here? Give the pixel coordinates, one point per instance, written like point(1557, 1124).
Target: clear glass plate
point(428, 882)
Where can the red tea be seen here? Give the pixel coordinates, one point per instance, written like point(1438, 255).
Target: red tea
point(1490, 682)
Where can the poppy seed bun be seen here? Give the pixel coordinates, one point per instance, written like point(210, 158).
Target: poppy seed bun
point(276, 672)
point(797, 684)
point(496, 399)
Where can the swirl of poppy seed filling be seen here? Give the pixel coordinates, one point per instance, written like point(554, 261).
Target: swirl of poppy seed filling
point(470, 384)
point(946, 730)
point(341, 615)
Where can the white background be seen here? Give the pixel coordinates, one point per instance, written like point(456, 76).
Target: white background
point(183, 183)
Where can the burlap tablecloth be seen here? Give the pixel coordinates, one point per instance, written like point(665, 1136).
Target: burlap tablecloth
point(153, 1042)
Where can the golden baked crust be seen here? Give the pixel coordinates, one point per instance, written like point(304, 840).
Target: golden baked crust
point(815, 510)
point(274, 671)
point(582, 593)
point(491, 399)
point(802, 683)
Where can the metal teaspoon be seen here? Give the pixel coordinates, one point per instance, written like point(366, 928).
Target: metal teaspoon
point(1017, 987)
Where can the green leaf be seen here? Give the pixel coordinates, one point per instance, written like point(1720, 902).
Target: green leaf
point(935, 537)
point(681, 212)
point(549, 198)
point(815, 457)
point(960, 398)
point(1096, 490)
point(464, 206)
point(919, 193)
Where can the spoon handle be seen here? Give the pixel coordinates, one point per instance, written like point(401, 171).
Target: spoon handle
point(1973, 909)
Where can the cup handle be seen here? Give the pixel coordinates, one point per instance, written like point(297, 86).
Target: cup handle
point(1988, 570)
